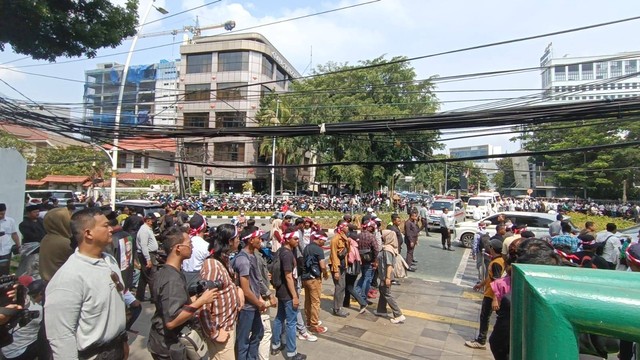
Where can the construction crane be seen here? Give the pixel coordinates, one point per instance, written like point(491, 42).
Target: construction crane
point(195, 30)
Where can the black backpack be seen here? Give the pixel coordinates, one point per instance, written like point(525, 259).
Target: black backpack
point(600, 247)
point(275, 269)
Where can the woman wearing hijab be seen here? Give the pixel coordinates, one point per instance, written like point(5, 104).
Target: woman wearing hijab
point(276, 235)
point(386, 260)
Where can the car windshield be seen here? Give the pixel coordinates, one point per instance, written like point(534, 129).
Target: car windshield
point(439, 205)
point(477, 202)
point(62, 195)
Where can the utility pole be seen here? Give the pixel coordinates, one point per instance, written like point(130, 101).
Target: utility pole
point(273, 155)
point(446, 180)
point(624, 191)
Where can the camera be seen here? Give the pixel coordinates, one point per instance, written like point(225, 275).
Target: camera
point(8, 283)
point(16, 316)
point(201, 286)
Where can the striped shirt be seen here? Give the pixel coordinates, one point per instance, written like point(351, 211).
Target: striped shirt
point(224, 309)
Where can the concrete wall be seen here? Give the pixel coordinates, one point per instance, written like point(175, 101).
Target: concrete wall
point(13, 176)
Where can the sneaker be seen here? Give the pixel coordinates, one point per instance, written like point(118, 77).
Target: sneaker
point(340, 313)
point(363, 308)
point(297, 356)
point(395, 282)
point(307, 336)
point(277, 350)
point(398, 320)
point(474, 344)
point(319, 329)
point(319, 323)
point(382, 314)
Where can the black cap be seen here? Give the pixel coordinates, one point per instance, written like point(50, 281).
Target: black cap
point(36, 287)
point(31, 208)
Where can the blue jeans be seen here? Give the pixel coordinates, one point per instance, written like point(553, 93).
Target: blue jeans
point(249, 332)
point(286, 316)
point(364, 283)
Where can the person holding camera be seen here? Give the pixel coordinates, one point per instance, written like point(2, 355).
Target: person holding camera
point(85, 311)
point(249, 331)
point(174, 308)
point(28, 342)
point(224, 309)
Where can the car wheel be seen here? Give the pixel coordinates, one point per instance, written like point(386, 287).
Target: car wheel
point(466, 239)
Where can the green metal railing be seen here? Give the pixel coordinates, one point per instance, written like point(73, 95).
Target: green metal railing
point(551, 305)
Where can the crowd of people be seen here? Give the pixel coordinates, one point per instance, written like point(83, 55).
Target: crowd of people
point(587, 248)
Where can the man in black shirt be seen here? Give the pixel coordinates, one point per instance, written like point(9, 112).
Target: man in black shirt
point(288, 301)
point(32, 228)
point(174, 308)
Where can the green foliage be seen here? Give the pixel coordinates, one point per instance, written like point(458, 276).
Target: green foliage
point(45, 29)
point(600, 172)
point(72, 160)
point(196, 186)
point(148, 182)
point(10, 141)
point(432, 176)
point(381, 92)
point(504, 177)
point(247, 186)
point(578, 219)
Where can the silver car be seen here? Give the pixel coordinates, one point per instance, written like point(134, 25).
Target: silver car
point(538, 223)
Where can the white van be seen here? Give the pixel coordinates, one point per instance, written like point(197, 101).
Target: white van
point(478, 204)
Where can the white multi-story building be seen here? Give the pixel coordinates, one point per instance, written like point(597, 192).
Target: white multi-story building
point(223, 79)
point(586, 78)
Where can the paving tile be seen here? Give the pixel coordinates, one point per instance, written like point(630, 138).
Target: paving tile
point(400, 345)
point(353, 331)
point(430, 342)
point(425, 352)
point(435, 334)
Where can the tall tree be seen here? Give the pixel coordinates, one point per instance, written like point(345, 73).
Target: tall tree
point(383, 89)
point(46, 29)
point(505, 177)
point(72, 160)
point(598, 174)
point(10, 141)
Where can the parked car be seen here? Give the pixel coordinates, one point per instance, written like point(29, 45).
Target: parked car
point(538, 223)
point(482, 203)
point(34, 197)
point(456, 211)
point(141, 207)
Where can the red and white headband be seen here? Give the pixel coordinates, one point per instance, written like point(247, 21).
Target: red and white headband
point(288, 236)
point(254, 234)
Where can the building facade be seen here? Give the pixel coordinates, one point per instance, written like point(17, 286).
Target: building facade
point(585, 78)
point(223, 79)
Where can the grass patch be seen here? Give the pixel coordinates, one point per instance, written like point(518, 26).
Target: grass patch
point(578, 219)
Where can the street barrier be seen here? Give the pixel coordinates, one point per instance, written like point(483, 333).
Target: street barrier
point(551, 305)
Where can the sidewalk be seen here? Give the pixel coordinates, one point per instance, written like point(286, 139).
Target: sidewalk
point(440, 317)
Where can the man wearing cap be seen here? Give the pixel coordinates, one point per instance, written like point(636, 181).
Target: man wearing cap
point(200, 248)
point(32, 227)
point(249, 329)
point(494, 271)
point(147, 250)
point(315, 267)
point(8, 239)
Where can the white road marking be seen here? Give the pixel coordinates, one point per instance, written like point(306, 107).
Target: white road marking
point(457, 278)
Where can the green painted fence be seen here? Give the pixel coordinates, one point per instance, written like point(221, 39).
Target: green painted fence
point(552, 304)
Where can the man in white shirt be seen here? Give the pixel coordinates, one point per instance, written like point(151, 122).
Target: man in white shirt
point(200, 248)
point(147, 246)
point(8, 238)
point(611, 245)
point(85, 311)
point(447, 226)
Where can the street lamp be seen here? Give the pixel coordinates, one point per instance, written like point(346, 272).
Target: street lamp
point(123, 81)
point(275, 122)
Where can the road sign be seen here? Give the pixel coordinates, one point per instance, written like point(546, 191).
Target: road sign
point(530, 191)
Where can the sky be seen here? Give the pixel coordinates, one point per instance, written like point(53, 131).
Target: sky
point(389, 28)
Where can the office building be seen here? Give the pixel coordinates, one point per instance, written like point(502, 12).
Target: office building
point(223, 79)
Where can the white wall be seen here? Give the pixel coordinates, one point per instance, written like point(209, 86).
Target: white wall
point(13, 176)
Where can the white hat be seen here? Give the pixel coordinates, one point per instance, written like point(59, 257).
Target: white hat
point(369, 209)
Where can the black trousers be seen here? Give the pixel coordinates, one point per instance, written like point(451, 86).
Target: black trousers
point(146, 276)
point(350, 284)
point(499, 339)
point(485, 315)
point(446, 237)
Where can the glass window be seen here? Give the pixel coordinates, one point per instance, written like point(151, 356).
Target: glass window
point(197, 120)
point(574, 72)
point(197, 92)
point(199, 63)
point(616, 68)
point(630, 67)
point(195, 151)
point(281, 76)
point(587, 71)
point(137, 161)
point(267, 66)
point(232, 91)
point(233, 61)
point(228, 152)
point(122, 160)
point(560, 73)
point(231, 119)
point(601, 70)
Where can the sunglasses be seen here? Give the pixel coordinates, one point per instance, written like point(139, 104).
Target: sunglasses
point(116, 280)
